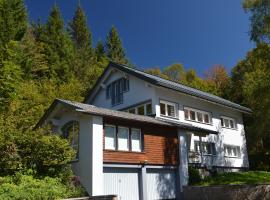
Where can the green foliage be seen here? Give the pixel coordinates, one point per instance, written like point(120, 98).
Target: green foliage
point(10, 75)
point(194, 176)
point(114, 48)
point(79, 30)
point(46, 154)
point(29, 188)
point(175, 72)
point(217, 80)
point(251, 87)
point(260, 19)
point(13, 21)
point(58, 46)
point(251, 177)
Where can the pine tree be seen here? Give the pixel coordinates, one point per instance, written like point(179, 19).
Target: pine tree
point(114, 48)
point(58, 46)
point(34, 63)
point(13, 20)
point(79, 30)
point(100, 51)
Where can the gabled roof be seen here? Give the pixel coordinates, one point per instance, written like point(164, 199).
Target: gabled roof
point(97, 111)
point(158, 81)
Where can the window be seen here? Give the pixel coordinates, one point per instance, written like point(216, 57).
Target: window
point(167, 109)
point(123, 137)
point(116, 89)
point(136, 140)
point(133, 111)
point(227, 122)
point(126, 141)
point(143, 109)
point(208, 148)
point(232, 151)
point(71, 133)
point(110, 132)
point(197, 115)
point(148, 109)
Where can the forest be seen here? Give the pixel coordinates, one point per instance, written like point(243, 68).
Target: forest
point(56, 59)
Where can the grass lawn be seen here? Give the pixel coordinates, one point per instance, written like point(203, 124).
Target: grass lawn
point(251, 177)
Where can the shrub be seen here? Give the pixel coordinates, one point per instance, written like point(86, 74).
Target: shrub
point(194, 175)
point(48, 155)
point(28, 188)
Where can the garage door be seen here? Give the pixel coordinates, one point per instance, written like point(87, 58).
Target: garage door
point(122, 182)
point(161, 184)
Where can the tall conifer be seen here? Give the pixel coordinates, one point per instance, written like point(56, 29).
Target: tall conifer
point(114, 48)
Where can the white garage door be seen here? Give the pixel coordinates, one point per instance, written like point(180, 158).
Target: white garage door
point(161, 184)
point(122, 182)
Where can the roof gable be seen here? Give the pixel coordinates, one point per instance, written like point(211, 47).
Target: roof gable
point(155, 80)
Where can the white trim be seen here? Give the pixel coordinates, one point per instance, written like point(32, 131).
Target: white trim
point(196, 115)
point(238, 151)
point(228, 118)
point(166, 103)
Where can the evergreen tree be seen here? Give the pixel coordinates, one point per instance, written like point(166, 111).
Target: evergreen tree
point(79, 30)
point(100, 51)
point(58, 46)
point(114, 48)
point(13, 21)
point(260, 19)
point(34, 63)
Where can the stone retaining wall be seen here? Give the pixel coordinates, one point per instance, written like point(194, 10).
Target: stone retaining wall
point(227, 192)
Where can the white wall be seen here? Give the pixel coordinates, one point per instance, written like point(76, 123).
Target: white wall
point(139, 91)
point(225, 136)
point(89, 166)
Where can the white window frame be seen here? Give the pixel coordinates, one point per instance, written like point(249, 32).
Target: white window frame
point(238, 151)
point(131, 148)
point(166, 103)
point(228, 118)
point(128, 147)
point(196, 115)
point(202, 144)
point(109, 125)
point(145, 110)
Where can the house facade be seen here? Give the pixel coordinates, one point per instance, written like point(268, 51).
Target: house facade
point(136, 134)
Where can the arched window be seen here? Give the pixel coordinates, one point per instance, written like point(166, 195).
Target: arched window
point(71, 133)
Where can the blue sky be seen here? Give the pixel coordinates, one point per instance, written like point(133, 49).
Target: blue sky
point(196, 33)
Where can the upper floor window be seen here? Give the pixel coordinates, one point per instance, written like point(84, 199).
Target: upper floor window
point(143, 109)
point(120, 138)
point(167, 109)
point(116, 89)
point(197, 115)
point(208, 148)
point(232, 151)
point(227, 122)
point(71, 133)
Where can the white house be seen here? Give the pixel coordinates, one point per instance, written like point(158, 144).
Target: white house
point(136, 134)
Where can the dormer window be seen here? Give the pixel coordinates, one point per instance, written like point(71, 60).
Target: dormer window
point(116, 89)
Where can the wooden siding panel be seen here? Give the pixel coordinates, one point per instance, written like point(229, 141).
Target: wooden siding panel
point(160, 145)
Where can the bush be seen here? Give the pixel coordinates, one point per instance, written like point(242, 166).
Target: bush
point(48, 155)
point(28, 188)
point(194, 176)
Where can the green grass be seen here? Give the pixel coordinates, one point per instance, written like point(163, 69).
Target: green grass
point(251, 177)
